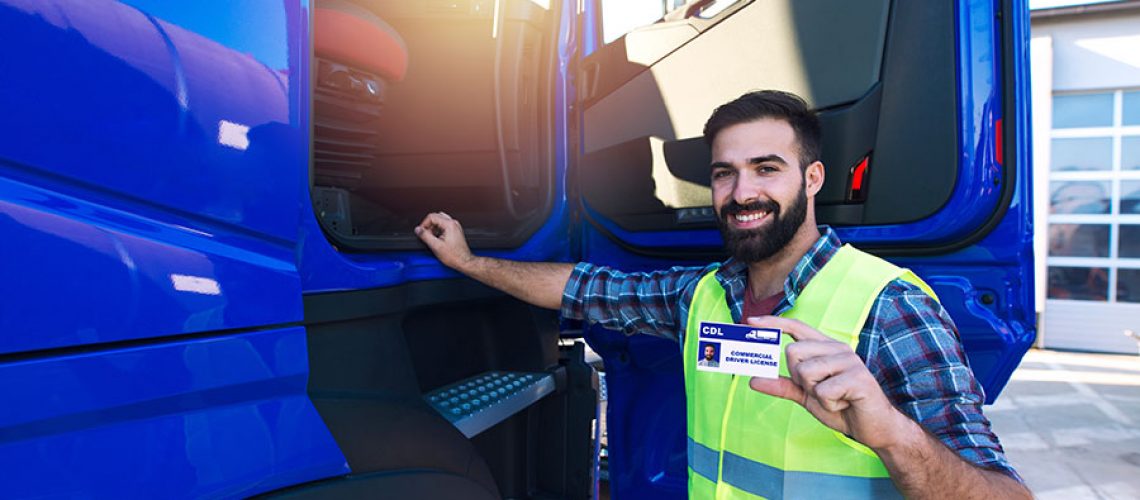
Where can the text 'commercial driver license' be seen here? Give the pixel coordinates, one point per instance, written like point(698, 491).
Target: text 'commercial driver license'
point(739, 349)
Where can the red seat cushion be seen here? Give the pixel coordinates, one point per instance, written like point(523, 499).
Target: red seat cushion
point(368, 44)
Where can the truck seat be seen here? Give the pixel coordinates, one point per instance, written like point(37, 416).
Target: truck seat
point(349, 34)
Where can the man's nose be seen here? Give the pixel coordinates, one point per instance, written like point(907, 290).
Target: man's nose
point(745, 191)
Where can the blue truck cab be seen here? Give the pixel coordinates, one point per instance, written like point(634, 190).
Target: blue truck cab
point(210, 285)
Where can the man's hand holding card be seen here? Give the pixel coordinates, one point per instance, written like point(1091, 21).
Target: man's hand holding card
point(831, 381)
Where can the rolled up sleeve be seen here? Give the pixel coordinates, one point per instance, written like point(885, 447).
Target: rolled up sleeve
point(645, 303)
point(918, 359)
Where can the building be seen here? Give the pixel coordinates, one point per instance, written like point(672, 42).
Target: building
point(1085, 65)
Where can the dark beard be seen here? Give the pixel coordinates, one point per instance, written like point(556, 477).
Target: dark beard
point(755, 245)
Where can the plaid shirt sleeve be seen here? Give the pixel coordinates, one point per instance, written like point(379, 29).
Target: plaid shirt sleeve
point(914, 352)
point(647, 303)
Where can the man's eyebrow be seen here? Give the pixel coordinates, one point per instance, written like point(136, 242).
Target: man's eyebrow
point(767, 159)
point(752, 161)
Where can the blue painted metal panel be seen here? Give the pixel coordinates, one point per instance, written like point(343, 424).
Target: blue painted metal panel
point(114, 97)
point(998, 333)
point(225, 416)
point(648, 455)
point(153, 173)
point(645, 412)
point(143, 205)
point(80, 272)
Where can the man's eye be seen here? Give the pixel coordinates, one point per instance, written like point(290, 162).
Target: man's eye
point(720, 174)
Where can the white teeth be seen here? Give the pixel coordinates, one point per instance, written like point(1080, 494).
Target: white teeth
point(749, 218)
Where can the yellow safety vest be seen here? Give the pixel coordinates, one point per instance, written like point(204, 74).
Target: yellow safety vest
point(745, 444)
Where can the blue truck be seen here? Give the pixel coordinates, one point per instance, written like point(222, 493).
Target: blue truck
point(210, 285)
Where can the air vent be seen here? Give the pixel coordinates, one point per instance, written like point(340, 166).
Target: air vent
point(346, 110)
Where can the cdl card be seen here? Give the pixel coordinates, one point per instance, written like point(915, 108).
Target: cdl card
point(739, 349)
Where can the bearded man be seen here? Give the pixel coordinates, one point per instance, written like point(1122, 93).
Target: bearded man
point(876, 399)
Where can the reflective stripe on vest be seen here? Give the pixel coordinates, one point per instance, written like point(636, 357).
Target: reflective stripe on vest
point(744, 444)
point(769, 482)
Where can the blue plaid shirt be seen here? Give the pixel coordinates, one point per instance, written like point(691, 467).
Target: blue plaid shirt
point(909, 343)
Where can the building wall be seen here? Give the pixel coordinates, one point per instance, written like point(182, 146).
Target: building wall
point(1093, 52)
point(1071, 56)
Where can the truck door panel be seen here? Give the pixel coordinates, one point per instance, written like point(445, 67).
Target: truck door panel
point(916, 97)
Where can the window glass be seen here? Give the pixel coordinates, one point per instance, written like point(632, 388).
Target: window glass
point(622, 16)
point(1129, 242)
point(1132, 108)
point(1093, 153)
point(1130, 153)
point(1078, 240)
point(1130, 197)
point(1078, 283)
point(1085, 110)
point(1079, 197)
point(715, 8)
point(1128, 285)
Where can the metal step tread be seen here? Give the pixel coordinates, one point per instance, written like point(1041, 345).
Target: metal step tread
point(476, 403)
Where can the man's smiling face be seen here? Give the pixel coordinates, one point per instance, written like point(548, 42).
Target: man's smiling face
point(758, 187)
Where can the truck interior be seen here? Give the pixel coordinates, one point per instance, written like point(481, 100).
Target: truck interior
point(425, 106)
point(881, 74)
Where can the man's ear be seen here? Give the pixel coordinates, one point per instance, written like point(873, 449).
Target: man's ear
point(813, 178)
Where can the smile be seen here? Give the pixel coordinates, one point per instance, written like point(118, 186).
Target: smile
point(750, 216)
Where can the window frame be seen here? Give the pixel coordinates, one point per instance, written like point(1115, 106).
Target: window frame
point(1115, 176)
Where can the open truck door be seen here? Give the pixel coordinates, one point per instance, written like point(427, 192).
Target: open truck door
point(211, 283)
point(923, 106)
point(433, 385)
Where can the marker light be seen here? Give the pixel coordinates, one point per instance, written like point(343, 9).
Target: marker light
point(858, 179)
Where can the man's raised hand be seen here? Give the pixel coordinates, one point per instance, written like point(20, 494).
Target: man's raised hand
point(444, 236)
point(829, 380)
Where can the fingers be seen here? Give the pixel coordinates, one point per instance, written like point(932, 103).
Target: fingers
point(439, 219)
point(826, 381)
point(436, 226)
point(781, 387)
point(830, 381)
point(836, 393)
point(797, 352)
point(810, 363)
point(826, 397)
point(797, 329)
point(428, 232)
point(815, 370)
point(444, 236)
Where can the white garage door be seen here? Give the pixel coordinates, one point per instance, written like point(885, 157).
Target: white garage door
point(1093, 261)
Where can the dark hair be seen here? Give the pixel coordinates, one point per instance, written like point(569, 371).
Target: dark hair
point(775, 104)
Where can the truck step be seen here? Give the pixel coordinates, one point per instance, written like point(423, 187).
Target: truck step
point(476, 403)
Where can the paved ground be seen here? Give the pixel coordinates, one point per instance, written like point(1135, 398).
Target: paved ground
point(1070, 423)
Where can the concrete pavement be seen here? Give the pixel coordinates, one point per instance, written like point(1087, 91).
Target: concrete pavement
point(1070, 424)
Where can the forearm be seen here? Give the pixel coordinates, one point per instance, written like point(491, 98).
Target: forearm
point(537, 283)
point(922, 467)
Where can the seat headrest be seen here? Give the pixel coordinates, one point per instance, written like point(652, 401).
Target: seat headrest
point(351, 35)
